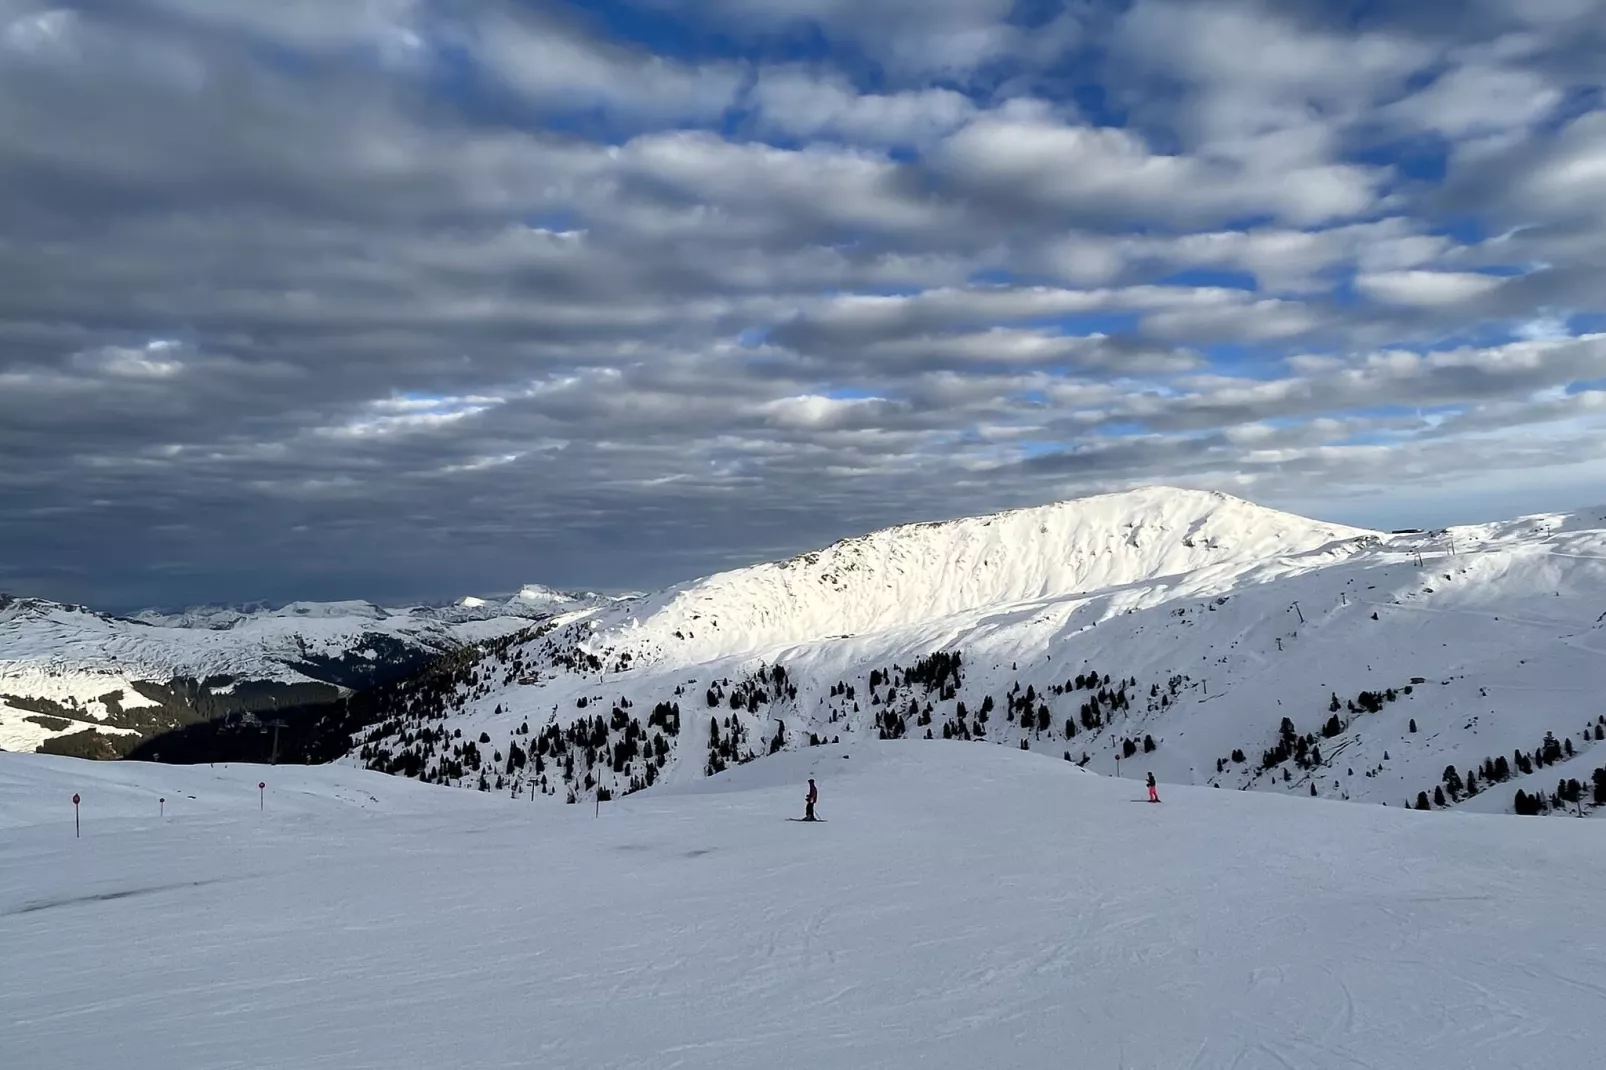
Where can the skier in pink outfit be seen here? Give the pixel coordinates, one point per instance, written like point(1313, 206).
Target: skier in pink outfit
point(1154, 792)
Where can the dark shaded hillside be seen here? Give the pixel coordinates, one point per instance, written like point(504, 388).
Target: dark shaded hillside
point(376, 659)
point(184, 704)
point(179, 702)
point(308, 734)
point(319, 727)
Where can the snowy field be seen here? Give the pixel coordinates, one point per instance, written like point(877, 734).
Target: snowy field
point(963, 905)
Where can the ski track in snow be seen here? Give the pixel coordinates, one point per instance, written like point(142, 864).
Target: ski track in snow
point(963, 907)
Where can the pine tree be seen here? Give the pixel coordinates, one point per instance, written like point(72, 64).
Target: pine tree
point(1438, 796)
point(1422, 801)
point(1413, 724)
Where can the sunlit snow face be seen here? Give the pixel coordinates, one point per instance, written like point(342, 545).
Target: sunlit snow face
point(640, 293)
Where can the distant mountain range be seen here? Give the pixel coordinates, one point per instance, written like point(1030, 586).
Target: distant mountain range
point(82, 682)
point(1200, 636)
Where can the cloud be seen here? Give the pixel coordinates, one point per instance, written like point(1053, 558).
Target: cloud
point(802, 104)
point(1474, 101)
point(811, 412)
point(1280, 259)
point(941, 37)
point(512, 291)
point(556, 64)
point(392, 25)
point(155, 360)
point(1000, 348)
point(1425, 288)
point(1258, 80)
point(1023, 156)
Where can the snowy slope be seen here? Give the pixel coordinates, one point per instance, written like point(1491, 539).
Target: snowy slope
point(63, 668)
point(1158, 538)
point(1212, 618)
point(961, 907)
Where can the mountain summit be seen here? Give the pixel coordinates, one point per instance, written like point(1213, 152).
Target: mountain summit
point(1196, 635)
point(1161, 537)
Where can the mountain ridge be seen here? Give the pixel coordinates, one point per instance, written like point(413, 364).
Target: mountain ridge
point(1275, 653)
point(965, 564)
point(1224, 642)
point(107, 681)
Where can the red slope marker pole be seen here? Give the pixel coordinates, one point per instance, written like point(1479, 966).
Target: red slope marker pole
point(76, 830)
point(262, 787)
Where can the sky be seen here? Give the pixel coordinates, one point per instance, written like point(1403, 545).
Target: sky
point(407, 299)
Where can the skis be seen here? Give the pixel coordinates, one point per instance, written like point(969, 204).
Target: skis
point(806, 821)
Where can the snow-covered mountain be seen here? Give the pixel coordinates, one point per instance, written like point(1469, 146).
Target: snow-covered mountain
point(66, 670)
point(961, 907)
point(532, 601)
point(1193, 634)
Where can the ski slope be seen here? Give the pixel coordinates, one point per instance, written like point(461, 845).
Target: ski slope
point(962, 906)
point(1226, 618)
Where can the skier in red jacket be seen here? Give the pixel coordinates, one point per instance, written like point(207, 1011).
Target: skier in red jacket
point(809, 800)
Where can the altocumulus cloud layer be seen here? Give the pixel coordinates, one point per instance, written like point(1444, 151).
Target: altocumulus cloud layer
point(411, 297)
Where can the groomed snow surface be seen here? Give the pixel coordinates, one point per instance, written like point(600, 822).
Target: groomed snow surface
point(963, 906)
